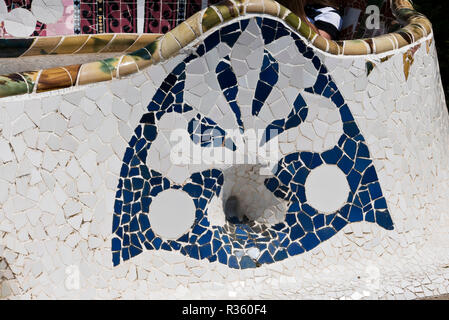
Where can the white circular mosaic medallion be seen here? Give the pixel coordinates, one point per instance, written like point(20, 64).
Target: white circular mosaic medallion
point(172, 213)
point(20, 22)
point(326, 188)
point(47, 11)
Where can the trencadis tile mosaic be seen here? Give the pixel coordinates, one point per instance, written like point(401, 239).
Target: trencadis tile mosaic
point(62, 151)
point(304, 227)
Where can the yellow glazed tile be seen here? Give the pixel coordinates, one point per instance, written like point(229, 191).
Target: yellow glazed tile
point(96, 43)
point(94, 72)
point(121, 43)
point(169, 45)
point(154, 49)
point(282, 11)
point(355, 47)
point(292, 20)
point(183, 34)
point(42, 46)
point(227, 10)
point(334, 48)
point(209, 19)
point(142, 58)
point(143, 40)
point(271, 7)
point(305, 30)
point(194, 23)
point(254, 6)
point(127, 66)
point(320, 43)
point(70, 44)
point(424, 22)
point(416, 30)
point(415, 27)
point(240, 4)
point(383, 43)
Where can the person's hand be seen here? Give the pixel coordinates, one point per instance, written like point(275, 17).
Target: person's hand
point(324, 34)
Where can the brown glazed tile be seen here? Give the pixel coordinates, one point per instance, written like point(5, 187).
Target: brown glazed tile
point(416, 30)
point(370, 43)
point(401, 38)
point(428, 45)
point(54, 78)
point(73, 71)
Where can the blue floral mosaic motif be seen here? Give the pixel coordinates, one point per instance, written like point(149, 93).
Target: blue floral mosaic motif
point(304, 227)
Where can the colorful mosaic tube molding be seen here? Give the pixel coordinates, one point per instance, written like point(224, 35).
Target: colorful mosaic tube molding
point(100, 43)
point(416, 26)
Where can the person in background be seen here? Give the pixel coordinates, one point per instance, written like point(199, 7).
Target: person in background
point(323, 16)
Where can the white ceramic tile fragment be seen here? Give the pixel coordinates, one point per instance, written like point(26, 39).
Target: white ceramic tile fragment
point(47, 11)
point(326, 188)
point(20, 22)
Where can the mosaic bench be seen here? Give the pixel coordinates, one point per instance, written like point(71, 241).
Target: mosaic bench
point(238, 155)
